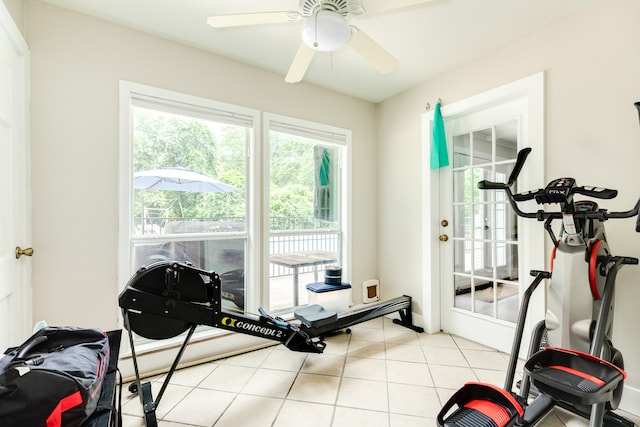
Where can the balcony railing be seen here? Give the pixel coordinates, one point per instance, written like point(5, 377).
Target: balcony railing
point(155, 223)
point(288, 234)
point(299, 249)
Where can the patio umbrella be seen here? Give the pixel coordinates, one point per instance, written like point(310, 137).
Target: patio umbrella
point(178, 179)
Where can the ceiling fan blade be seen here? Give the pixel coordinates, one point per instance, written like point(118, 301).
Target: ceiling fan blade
point(243, 19)
point(300, 64)
point(382, 60)
point(379, 6)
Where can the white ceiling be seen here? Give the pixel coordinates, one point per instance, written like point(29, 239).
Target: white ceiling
point(427, 40)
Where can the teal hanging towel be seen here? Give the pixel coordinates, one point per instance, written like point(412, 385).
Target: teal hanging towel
point(439, 156)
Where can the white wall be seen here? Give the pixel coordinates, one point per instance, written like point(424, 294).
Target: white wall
point(16, 10)
point(592, 66)
point(76, 64)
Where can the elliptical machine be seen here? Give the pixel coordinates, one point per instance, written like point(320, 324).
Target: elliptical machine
point(572, 362)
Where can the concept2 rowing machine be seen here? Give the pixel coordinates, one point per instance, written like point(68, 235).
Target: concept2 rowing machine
point(168, 298)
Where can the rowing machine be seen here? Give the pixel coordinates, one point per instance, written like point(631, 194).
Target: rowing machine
point(168, 298)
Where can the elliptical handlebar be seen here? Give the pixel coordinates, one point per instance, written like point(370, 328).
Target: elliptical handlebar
point(558, 191)
point(517, 168)
point(596, 192)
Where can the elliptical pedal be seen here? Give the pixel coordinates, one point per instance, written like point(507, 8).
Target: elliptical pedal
point(481, 405)
point(574, 377)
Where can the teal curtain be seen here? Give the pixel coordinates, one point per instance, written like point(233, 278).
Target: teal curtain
point(324, 195)
point(439, 156)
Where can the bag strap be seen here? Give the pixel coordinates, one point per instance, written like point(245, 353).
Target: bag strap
point(30, 346)
point(115, 408)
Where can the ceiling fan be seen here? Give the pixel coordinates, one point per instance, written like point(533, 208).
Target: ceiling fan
point(326, 28)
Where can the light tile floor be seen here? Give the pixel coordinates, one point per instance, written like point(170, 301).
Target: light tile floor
point(381, 375)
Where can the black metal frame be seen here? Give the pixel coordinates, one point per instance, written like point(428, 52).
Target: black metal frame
point(296, 337)
point(561, 191)
point(536, 409)
point(542, 404)
point(600, 342)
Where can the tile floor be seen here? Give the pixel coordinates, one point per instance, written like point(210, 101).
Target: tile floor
point(381, 375)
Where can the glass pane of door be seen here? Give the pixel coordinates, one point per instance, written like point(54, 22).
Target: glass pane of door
point(485, 241)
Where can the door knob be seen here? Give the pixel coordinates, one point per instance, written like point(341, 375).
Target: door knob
point(443, 237)
point(26, 252)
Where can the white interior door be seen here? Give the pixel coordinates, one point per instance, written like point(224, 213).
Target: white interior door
point(480, 277)
point(15, 219)
point(480, 253)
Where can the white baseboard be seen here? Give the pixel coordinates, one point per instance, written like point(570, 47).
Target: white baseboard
point(630, 401)
point(158, 361)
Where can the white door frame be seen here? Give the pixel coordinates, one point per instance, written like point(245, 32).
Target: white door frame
point(14, 82)
point(532, 89)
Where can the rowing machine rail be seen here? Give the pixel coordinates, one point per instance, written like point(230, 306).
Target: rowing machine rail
point(165, 299)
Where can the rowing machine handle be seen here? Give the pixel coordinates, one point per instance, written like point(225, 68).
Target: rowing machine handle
point(281, 323)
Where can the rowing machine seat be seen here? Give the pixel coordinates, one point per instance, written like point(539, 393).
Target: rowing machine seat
point(315, 316)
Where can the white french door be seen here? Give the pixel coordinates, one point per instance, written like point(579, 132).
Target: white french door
point(480, 284)
point(481, 250)
point(15, 215)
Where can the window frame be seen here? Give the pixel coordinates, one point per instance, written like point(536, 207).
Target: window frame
point(206, 343)
point(333, 135)
point(197, 107)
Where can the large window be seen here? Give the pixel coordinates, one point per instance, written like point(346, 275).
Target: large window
point(306, 215)
point(188, 186)
point(201, 184)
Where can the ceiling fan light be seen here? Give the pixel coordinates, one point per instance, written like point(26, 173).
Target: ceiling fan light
point(326, 31)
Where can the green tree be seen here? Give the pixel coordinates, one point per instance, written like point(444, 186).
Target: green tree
point(291, 176)
point(163, 140)
point(220, 151)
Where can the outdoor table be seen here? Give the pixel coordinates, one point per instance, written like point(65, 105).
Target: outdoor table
point(297, 260)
